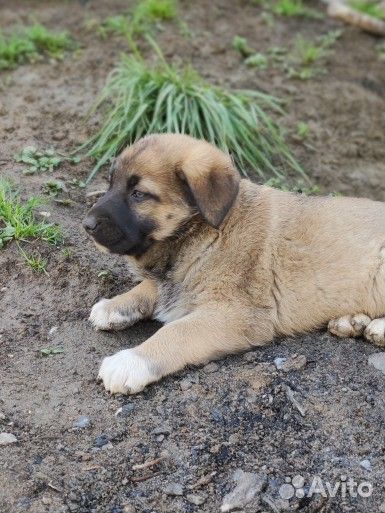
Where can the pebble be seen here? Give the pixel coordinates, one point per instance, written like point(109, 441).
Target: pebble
point(101, 440)
point(377, 360)
point(173, 489)
point(295, 362)
point(59, 136)
point(7, 438)
point(196, 499)
point(185, 384)
point(210, 368)
point(52, 331)
point(162, 430)
point(366, 465)
point(82, 422)
point(248, 485)
point(125, 410)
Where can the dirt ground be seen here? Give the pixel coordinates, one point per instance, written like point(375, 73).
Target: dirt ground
point(203, 423)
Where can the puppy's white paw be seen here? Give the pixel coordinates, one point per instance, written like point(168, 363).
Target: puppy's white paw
point(106, 316)
point(375, 332)
point(126, 372)
point(349, 325)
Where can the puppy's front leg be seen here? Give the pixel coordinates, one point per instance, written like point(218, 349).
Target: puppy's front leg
point(126, 309)
point(197, 338)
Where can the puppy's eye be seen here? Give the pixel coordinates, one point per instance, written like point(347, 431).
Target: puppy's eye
point(138, 195)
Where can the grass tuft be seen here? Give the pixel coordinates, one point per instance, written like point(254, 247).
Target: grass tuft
point(35, 262)
point(304, 60)
point(144, 16)
point(371, 8)
point(290, 8)
point(17, 220)
point(26, 45)
point(139, 100)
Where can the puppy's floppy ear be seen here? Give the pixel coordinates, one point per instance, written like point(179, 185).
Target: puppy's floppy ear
point(212, 185)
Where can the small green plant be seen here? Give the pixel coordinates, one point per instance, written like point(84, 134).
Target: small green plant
point(303, 130)
point(304, 60)
point(252, 58)
point(30, 43)
point(295, 8)
point(148, 12)
point(371, 8)
point(105, 275)
point(117, 25)
point(144, 16)
point(143, 100)
point(50, 351)
point(49, 43)
point(67, 253)
point(240, 45)
point(75, 182)
point(257, 60)
point(40, 161)
point(17, 219)
point(53, 187)
point(35, 262)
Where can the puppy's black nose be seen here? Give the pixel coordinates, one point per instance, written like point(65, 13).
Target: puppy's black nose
point(90, 223)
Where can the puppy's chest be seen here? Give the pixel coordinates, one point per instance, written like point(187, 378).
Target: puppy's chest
point(172, 302)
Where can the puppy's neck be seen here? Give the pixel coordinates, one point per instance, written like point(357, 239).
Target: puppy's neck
point(163, 257)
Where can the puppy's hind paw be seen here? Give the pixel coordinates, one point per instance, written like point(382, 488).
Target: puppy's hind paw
point(106, 316)
point(375, 332)
point(349, 325)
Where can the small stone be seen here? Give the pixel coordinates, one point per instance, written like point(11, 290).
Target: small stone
point(160, 438)
point(7, 438)
point(249, 357)
point(82, 422)
point(210, 368)
point(295, 362)
point(107, 446)
point(43, 213)
point(4, 289)
point(185, 384)
point(377, 360)
point(173, 489)
point(2, 416)
point(279, 361)
point(46, 500)
point(59, 136)
point(125, 410)
point(366, 465)
point(196, 499)
point(248, 485)
point(52, 331)
point(101, 440)
point(162, 430)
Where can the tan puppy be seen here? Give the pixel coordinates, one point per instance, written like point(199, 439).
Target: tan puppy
point(226, 264)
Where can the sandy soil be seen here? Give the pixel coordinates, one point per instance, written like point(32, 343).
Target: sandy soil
point(202, 423)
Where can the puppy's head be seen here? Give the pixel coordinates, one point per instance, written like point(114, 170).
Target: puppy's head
point(156, 186)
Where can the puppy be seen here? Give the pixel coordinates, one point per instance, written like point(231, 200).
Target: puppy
point(228, 265)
